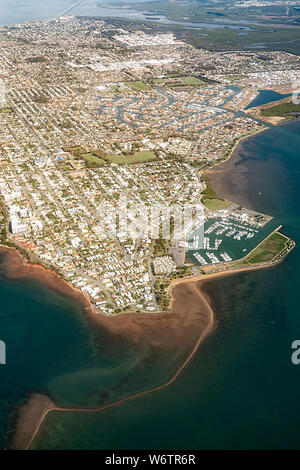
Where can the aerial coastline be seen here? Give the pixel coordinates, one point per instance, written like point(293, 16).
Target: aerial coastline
point(59, 224)
point(177, 325)
point(137, 327)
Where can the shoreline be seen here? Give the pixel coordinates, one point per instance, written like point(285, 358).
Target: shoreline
point(176, 322)
point(18, 267)
point(199, 315)
point(36, 410)
point(234, 144)
point(33, 413)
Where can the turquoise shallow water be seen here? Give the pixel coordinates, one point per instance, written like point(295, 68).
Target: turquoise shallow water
point(241, 390)
point(53, 348)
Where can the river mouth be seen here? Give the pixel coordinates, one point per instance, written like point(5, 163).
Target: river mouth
point(150, 15)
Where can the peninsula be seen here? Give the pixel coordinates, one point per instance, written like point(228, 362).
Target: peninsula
point(91, 113)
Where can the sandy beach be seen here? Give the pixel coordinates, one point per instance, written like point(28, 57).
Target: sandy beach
point(272, 120)
point(184, 328)
point(189, 321)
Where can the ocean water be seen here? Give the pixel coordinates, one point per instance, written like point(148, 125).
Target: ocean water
point(241, 390)
point(267, 96)
point(19, 11)
point(53, 348)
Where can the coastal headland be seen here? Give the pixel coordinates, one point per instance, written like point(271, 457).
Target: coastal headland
point(187, 324)
point(189, 320)
point(53, 190)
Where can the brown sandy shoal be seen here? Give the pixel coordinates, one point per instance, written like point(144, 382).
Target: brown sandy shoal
point(136, 327)
point(273, 120)
point(188, 308)
point(182, 329)
point(29, 416)
point(188, 323)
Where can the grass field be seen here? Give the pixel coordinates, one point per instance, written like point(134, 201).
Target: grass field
point(185, 81)
point(92, 161)
point(191, 81)
point(175, 80)
point(281, 109)
point(233, 78)
point(138, 157)
point(115, 89)
point(139, 86)
point(215, 204)
point(267, 250)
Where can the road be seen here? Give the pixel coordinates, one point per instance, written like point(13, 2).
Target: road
point(67, 10)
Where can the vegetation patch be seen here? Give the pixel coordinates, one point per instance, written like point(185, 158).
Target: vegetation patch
point(37, 59)
point(175, 80)
point(281, 109)
point(162, 295)
point(138, 157)
point(268, 249)
point(215, 204)
point(98, 158)
point(191, 81)
point(139, 86)
point(160, 247)
point(40, 99)
point(210, 198)
point(92, 161)
point(95, 159)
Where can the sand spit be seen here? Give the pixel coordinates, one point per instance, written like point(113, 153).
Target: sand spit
point(183, 328)
point(191, 320)
point(29, 415)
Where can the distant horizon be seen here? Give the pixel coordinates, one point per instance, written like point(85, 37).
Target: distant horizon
point(16, 11)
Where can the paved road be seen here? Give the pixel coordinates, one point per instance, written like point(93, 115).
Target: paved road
point(67, 10)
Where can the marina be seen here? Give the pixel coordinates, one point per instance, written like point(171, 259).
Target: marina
point(225, 238)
